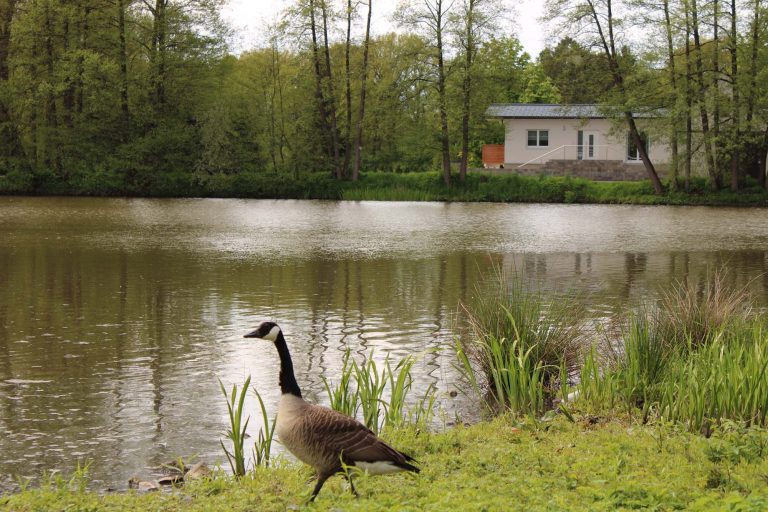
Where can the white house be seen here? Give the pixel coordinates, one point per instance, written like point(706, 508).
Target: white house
point(570, 139)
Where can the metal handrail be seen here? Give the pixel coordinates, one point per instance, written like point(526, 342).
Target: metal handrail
point(563, 147)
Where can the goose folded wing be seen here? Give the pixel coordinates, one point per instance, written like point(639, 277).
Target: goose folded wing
point(355, 442)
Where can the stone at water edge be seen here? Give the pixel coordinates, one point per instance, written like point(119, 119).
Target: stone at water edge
point(197, 471)
point(142, 485)
point(171, 479)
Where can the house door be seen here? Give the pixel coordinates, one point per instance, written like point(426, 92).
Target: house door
point(590, 146)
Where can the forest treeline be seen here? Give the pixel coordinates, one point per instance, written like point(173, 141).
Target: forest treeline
point(147, 96)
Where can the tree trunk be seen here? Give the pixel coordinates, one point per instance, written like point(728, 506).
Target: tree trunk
point(159, 47)
point(80, 100)
point(688, 103)
point(444, 140)
point(359, 141)
point(50, 147)
point(331, 99)
point(753, 65)
point(9, 139)
point(715, 88)
point(760, 165)
point(125, 114)
point(319, 96)
point(467, 89)
point(278, 83)
point(714, 182)
point(735, 146)
point(674, 125)
point(609, 48)
point(348, 91)
point(7, 10)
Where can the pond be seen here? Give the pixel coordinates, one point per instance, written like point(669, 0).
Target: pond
point(117, 316)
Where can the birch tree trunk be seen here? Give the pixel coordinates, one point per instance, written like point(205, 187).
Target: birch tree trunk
point(674, 125)
point(363, 83)
point(735, 145)
point(469, 50)
point(331, 98)
point(444, 138)
point(714, 181)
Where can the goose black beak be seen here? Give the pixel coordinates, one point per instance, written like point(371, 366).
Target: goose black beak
point(252, 334)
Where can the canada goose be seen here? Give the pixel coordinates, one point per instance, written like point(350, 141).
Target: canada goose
point(322, 437)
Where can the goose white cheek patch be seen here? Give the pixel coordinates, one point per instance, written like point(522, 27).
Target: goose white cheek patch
point(272, 335)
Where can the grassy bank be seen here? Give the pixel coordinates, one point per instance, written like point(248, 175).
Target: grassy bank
point(591, 464)
point(479, 187)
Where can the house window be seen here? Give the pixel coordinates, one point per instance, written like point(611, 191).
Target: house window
point(538, 138)
point(633, 155)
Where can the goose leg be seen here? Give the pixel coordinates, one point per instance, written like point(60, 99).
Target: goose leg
point(321, 478)
point(351, 485)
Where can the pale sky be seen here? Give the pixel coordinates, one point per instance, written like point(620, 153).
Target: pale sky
point(248, 17)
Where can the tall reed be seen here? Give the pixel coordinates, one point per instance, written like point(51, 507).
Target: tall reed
point(380, 395)
point(237, 427)
point(370, 389)
point(692, 313)
point(727, 379)
point(342, 396)
point(400, 382)
point(263, 444)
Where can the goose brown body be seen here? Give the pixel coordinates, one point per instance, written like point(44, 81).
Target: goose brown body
point(321, 437)
point(324, 438)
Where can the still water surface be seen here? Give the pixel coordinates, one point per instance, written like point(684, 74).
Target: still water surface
point(117, 316)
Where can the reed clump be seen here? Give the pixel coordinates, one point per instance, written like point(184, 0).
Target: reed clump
point(691, 314)
point(519, 343)
point(698, 357)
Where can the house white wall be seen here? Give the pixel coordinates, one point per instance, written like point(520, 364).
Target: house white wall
point(563, 134)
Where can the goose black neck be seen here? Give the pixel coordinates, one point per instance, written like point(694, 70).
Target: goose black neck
point(288, 382)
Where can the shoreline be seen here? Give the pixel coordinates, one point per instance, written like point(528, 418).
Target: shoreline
point(379, 186)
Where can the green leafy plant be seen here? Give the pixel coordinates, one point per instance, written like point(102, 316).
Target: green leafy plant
point(237, 427)
point(343, 396)
point(263, 445)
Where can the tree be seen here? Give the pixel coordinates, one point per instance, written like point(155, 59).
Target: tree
point(9, 139)
point(538, 87)
point(475, 21)
point(576, 71)
point(430, 17)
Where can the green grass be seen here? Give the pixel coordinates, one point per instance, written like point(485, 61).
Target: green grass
point(591, 464)
point(379, 186)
